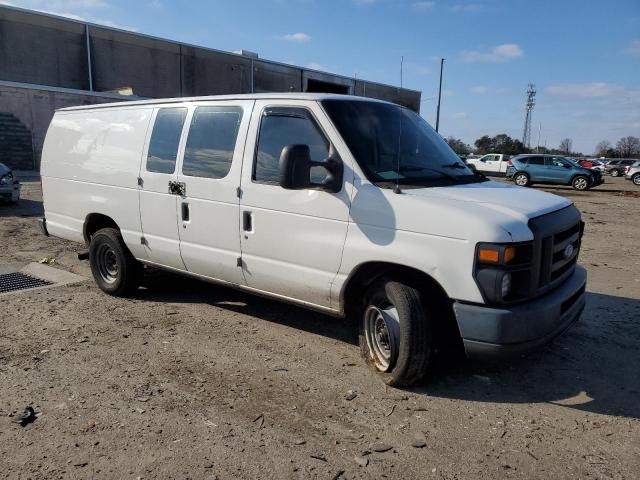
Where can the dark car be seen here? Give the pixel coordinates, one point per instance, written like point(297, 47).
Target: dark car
point(528, 169)
point(9, 185)
point(616, 168)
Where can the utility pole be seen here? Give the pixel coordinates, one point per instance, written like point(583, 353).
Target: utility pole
point(401, 62)
point(539, 130)
point(439, 95)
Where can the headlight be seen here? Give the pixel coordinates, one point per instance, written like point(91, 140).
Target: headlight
point(503, 271)
point(6, 179)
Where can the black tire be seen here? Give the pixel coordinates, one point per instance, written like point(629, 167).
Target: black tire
point(411, 355)
point(580, 183)
point(114, 268)
point(614, 172)
point(636, 179)
point(521, 179)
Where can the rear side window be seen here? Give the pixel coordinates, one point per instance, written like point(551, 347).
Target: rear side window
point(165, 139)
point(211, 141)
point(283, 126)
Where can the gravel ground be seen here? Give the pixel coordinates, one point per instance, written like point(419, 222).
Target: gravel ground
point(189, 380)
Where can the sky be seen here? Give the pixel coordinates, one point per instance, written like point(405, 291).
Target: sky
point(582, 55)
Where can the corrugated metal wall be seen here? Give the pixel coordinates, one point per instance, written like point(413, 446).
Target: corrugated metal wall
point(50, 51)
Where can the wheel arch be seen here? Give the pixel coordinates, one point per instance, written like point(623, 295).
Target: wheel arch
point(365, 274)
point(94, 222)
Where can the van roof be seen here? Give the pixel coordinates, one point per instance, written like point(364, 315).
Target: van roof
point(247, 96)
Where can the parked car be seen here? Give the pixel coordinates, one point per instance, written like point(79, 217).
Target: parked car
point(615, 167)
point(351, 206)
point(492, 164)
point(633, 173)
point(9, 185)
point(552, 169)
point(592, 164)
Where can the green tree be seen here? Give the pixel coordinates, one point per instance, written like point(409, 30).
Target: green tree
point(458, 145)
point(501, 143)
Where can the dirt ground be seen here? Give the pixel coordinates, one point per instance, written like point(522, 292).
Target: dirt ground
point(190, 380)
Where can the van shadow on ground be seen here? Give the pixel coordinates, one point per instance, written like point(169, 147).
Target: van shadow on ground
point(593, 368)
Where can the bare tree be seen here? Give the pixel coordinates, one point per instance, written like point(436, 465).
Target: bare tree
point(628, 147)
point(565, 145)
point(602, 148)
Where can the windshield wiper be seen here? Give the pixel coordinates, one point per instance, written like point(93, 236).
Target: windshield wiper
point(459, 166)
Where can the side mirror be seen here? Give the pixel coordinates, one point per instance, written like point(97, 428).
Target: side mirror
point(295, 169)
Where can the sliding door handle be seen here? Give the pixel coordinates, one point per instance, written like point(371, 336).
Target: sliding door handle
point(185, 212)
point(247, 222)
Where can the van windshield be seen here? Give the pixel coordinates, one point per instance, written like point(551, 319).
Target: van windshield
point(393, 144)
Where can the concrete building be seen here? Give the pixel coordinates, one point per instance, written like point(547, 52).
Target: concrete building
point(49, 62)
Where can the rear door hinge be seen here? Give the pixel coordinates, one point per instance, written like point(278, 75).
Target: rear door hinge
point(140, 182)
point(239, 262)
point(238, 192)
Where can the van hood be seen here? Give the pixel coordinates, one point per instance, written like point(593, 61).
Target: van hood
point(521, 203)
point(485, 211)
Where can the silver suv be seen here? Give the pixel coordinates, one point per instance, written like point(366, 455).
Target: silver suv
point(633, 173)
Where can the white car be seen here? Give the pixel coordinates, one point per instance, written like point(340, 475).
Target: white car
point(492, 163)
point(351, 206)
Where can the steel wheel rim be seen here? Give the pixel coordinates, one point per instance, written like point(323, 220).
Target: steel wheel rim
point(382, 332)
point(107, 263)
point(580, 183)
point(521, 180)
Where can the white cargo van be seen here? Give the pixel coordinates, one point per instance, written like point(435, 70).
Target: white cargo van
point(347, 205)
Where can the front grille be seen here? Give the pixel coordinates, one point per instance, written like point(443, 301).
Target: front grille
point(10, 282)
point(557, 238)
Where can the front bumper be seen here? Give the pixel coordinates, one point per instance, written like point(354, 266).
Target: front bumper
point(518, 329)
point(10, 193)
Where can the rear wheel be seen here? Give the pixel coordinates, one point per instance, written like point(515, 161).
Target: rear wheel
point(615, 172)
point(521, 179)
point(114, 268)
point(580, 183)
point(636, 178)
point(395, 332)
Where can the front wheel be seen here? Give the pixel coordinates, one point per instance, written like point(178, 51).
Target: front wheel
point(636, 179)
point(395, 333)
point(615, 173)
point(580, 183)
point(521, 179)
point(114, 268)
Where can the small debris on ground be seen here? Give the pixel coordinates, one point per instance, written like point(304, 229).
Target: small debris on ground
point(381, 447)
point(350, 395)
point(27, 416)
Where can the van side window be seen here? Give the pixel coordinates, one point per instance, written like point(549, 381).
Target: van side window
point(281, 127)
point(165, 139)
point(211, 141)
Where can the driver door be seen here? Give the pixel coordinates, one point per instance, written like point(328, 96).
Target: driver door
point(291, 240)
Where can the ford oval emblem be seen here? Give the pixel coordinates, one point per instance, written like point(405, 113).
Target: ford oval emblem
point(568, 251)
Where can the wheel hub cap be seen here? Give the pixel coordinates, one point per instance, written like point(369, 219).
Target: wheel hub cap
point(382, 329)
point(107, 263)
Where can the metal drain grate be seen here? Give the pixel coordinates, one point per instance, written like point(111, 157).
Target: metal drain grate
point(19, 281)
